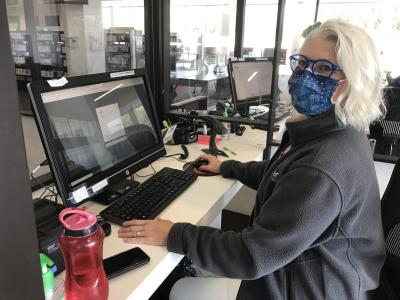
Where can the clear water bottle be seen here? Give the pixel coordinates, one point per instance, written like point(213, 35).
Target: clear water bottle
point(82, 248)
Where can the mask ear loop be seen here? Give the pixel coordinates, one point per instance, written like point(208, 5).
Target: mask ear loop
point(339, 82)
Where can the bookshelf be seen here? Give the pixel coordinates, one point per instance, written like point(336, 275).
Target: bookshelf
point(21, 46)
point(51, 52)
point(124, 49)
point(51, 55)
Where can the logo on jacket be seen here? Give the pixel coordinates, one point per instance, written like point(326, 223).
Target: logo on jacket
point(275, 175)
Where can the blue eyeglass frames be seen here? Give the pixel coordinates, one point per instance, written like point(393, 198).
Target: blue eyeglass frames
point(320, 67)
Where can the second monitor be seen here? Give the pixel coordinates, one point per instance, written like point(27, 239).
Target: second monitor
point(251, 82)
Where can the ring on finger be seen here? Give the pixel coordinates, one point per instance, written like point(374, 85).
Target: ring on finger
point(138, 234)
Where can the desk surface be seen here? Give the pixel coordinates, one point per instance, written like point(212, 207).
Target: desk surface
point(200, 204)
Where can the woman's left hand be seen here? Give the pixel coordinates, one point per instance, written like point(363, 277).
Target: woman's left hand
point(151, 232)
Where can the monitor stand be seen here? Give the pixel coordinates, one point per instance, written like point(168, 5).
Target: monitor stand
point(115, 191)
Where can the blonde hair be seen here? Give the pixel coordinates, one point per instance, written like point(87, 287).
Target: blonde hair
point(361, 103)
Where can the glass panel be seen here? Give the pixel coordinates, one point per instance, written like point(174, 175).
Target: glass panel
point(51, 40)
point(260, 27)
point(299, 15)
point(202, 39)
point(381, 19)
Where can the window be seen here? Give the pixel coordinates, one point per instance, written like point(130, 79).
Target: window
point(202, 39)
point(299, 15)
point(381, 19)
point(51, 40)
point(260, 28)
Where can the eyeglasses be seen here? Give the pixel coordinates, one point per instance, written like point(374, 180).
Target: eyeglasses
point(320, 67)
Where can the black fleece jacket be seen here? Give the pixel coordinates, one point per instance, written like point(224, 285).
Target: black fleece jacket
point(315, 230)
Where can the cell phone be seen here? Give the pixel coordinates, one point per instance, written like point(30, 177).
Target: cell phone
point(124, 261)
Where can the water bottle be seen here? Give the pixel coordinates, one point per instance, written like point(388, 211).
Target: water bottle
point(82, 247)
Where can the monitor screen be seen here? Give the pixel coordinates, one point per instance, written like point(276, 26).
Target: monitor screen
point(251, 81)
point(96, 131)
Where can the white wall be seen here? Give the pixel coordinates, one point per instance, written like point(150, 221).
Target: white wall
point(383, 172)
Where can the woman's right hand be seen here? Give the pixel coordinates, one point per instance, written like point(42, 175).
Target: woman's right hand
point(213, 166)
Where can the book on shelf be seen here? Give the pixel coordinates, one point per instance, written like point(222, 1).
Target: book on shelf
point(21, 47)
point(51, 57)
point(123, 49)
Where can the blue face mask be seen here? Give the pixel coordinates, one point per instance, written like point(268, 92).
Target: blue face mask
point(311, 94)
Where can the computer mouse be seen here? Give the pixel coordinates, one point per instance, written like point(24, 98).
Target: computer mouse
point(200, 162)
point(192, 167)
point(240, 130)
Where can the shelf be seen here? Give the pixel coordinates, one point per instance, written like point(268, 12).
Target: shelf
point(27, 54)
point(124, 48)
point(119, 52)
point(51, 52)
point(53, 67)
point(26, 66)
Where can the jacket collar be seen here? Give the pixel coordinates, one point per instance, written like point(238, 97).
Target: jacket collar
point(312, 128)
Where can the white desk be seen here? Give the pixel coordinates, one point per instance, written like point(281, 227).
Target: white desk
point(200, 204)
point(383, 172)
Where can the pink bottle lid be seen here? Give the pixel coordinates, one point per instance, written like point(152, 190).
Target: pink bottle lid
point(78, 222)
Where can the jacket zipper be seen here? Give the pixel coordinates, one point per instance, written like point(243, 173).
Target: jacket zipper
point(282, 157)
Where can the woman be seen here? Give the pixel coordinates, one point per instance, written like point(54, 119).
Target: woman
point(316, 230)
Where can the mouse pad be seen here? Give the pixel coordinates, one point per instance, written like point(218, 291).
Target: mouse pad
point(187, 167)
point(205, 139)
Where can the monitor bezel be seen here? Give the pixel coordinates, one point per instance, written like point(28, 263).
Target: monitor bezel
point(113, 174)
point(251, 101)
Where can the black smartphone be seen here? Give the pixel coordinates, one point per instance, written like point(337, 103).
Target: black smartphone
point(124, 261)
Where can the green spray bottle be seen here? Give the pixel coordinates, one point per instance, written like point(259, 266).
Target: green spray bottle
point(47, 275)
point(227, 125)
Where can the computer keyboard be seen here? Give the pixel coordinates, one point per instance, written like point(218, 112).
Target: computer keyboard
point(279, 115)
point(148, 199)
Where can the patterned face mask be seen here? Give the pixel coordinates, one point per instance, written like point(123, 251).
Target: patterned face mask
point(311, 94)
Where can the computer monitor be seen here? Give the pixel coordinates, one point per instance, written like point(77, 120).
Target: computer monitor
point(251, 81)
point(96, 130)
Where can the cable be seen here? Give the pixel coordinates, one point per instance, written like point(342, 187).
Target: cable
point(180, 160)
point(53, 195)
point(154, 171)
point(170, 155)
point(43, 163)
point(45, 187)
point(143, 176)
point(173, 156)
